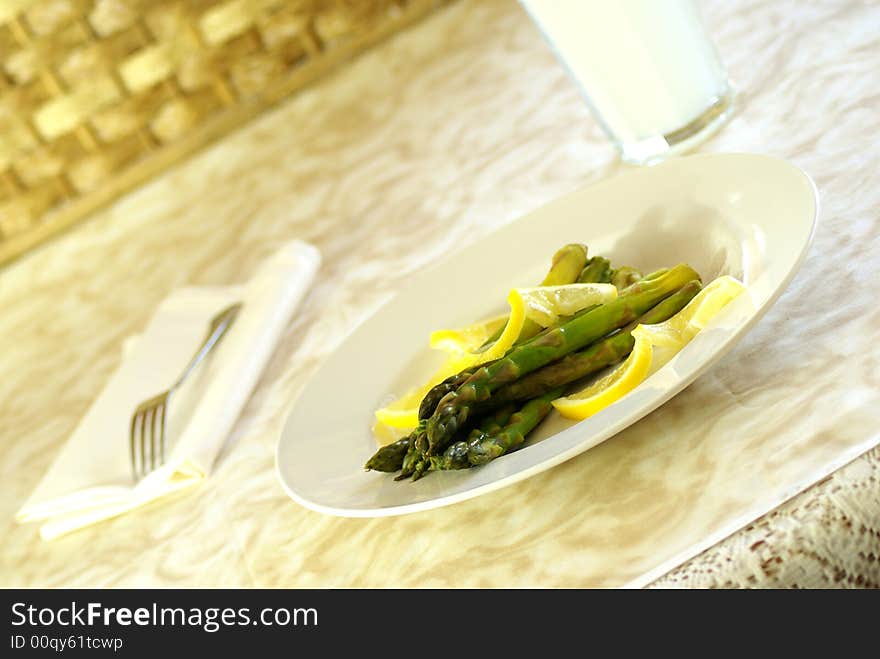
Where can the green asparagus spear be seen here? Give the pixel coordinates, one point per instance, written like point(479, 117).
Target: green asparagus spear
point(454, 457)
point(453, 410)
point(456, 454)
point(656, 273)
point(420, 468)
point(494, 421)
point(436, 393)
point(415, 463)
point(596, 271)
point(667, 308)
point(489, 446)
point(625, 276)
point(567, 264)
point(595, 357)
point(390, 457)
point(413, 454)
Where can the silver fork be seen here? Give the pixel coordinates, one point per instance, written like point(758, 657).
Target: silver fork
point(146, 444)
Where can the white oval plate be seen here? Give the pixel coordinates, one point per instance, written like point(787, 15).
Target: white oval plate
point(744, 215)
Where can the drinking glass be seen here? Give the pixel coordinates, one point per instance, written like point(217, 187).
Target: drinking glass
point(650, 74)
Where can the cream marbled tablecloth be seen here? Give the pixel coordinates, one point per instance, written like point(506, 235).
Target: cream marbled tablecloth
point(430, 141)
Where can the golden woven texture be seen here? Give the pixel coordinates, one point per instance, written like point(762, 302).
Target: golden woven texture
point(98, 95)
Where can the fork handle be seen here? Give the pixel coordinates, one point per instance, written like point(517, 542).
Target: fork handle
point(218, 327)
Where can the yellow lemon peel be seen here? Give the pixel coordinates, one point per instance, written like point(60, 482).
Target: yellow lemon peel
point(609, 388)
point(678, 331)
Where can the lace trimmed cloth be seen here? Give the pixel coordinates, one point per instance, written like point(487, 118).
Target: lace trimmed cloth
point(826, 537)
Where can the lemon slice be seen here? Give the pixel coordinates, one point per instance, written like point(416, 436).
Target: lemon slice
point(677, 332)
point(611, 387)
point(543, 305)
point(462, 345)
point(466, 339)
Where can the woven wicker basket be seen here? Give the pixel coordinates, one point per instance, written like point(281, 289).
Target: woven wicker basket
point(98, 95)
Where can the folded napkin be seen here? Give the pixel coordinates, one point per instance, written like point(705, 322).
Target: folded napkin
point(91, 478)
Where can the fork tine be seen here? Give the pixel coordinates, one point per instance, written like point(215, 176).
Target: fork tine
point(162, 432)
point(132, 434)
point(153, 449)
point(143, 442)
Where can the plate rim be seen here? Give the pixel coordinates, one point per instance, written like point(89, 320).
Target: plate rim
point(605, 433)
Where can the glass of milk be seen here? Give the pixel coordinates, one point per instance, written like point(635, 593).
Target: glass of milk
point(649, 73)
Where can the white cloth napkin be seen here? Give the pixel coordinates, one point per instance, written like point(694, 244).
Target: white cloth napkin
point(91, 478)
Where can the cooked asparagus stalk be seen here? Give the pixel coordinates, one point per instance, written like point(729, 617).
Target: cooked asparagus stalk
point(453, 410)
point(412, 458)
point(489, 446)
point(596, 271)
point(436, 393)
point(390, 457)
point(567, 264)
point(656, 273)
point(625, 276)
point(415, 461)
point(454, 457)
point(456, 454)
point(595, 357)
